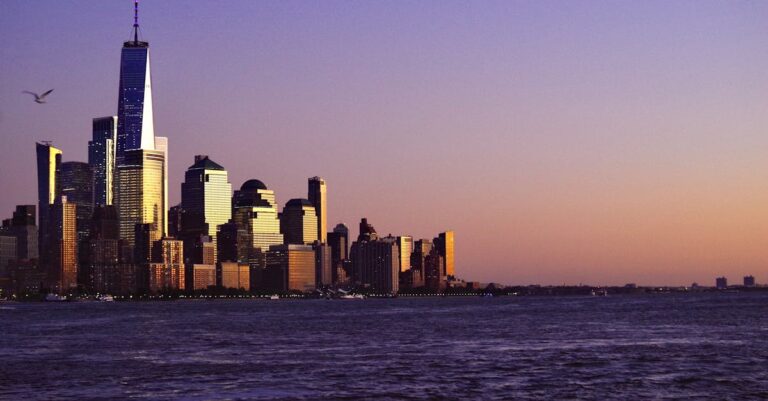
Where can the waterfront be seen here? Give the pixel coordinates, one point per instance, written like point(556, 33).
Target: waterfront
point(710, 345)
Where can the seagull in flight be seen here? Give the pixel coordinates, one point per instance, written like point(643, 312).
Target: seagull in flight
point(40, 99)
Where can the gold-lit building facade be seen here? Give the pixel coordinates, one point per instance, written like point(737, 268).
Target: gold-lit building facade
point(235, 275)
point(206, 197)
point(140, 194)
point(254, 210)
point(298, 222)
point(63, 250)
point(291, 268)
point(444, 245)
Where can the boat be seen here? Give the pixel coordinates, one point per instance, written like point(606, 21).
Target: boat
point(55, 298)
point(352, 296)
point(106, 298)
point(600, 292)
point(273, 297)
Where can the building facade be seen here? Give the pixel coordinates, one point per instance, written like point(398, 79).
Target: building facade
point(140, 197)
point(101, 158)
point(298, 222)
point(318, 197)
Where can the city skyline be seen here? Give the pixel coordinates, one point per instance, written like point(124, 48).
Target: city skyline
point(667, 207)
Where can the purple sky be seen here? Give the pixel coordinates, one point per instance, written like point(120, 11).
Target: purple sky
point(564, 142)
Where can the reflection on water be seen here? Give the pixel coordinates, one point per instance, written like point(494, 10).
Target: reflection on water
point(708, 345)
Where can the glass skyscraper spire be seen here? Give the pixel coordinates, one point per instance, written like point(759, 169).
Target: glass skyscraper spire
point(135, 126)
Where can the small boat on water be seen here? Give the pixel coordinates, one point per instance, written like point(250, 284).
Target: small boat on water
point(55, 298)
point(352, 296)
point(106, 298)
point(273, 297)
point(600, 292)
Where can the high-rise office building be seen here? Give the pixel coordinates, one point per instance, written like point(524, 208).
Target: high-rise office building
point(444, 245)
point(338, 240)
point(254, 210)
point(7, 252)
point(323, 264)
point(77, 185)
point(318, 197)
point(140, 197)
point(234, 275)
point(62, 262)
point(135, 123)
point(434, 274)
point(206, 197)
point(101, 157)
point(290, 268)
point(48, 189)
point(298, 222)
point(22, 226)
point(405, 248)
point(376, 261)
point(100, 269)
point(161, 145)
point(166, 270)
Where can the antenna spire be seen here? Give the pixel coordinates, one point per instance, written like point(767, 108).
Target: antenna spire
point(136, 21)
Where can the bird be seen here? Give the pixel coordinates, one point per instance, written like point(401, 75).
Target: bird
point(40, 99)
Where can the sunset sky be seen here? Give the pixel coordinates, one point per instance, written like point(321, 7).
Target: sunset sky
point(564, 141)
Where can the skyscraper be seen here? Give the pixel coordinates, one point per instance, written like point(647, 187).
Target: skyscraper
point(101, 157)
point(405, 248)
point(77, 185)
point(376, 262)
point(291, 268)
point(62, 268)
point(254, 209)
point(48, 189)
point(338, 240)
point(24, 229)
point(161, 145)
point(298, 222)
point(317, 196)
point(135, 125)
point(444, 245)
point(206, 197)
point(140, 198)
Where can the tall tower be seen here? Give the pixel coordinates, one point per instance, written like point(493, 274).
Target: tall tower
point(77, 185)
point(206, 197)
point(48, 189)
point(62, 268)
point(135, 125)
point(140, 198)
point(101, 157)
point(318, 197)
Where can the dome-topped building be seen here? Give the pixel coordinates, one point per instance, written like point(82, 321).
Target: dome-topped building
point(253, 185)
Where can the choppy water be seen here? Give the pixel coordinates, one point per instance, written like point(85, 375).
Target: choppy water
point(635, 347)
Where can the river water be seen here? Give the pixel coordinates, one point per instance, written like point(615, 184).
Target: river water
point(708, 346)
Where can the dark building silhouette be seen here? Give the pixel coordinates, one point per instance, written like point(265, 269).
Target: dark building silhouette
point(375, 262)
point(22, 227)
point(48, 190)
point(721, 283)
point(101, 158)
point(749, 281)
point(101, 269)
point(317, 194)
point(338, 240)
point(77, 185)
